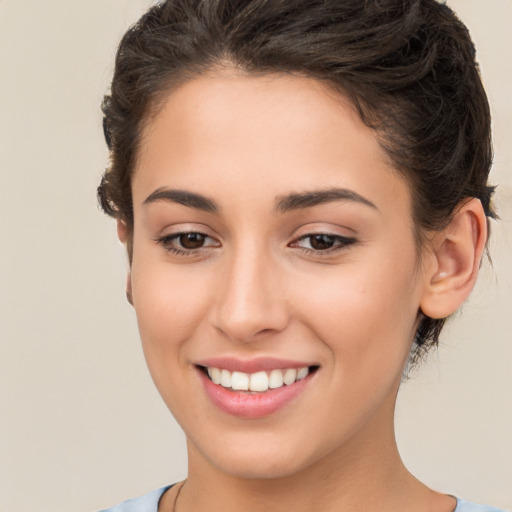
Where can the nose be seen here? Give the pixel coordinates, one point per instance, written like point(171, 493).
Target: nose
point(250, 300)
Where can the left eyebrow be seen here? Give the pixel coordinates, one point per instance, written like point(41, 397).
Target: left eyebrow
point(317, 197)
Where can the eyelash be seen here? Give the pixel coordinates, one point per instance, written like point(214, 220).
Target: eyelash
point(167, 241)
point(339, 243)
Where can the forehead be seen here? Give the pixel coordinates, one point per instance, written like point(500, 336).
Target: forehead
point(264, 135)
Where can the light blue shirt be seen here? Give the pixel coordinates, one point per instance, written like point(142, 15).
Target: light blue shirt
point(146, 503)
point(149, 503)
point(467, 506)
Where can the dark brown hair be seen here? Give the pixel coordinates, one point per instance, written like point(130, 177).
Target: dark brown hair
point(407, 65)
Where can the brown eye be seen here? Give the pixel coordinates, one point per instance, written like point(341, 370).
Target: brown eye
point(322, 242)
point(192, 240)
point(187, 243)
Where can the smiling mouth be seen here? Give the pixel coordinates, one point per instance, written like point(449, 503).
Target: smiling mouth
point(257, 382)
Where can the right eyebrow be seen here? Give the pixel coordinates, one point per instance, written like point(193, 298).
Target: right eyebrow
point(190, 199)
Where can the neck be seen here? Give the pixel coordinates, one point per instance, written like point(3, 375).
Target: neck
point(366, 474)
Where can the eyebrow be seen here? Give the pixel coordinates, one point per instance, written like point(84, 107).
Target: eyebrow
point(318, 197)
point(284, 204)
point(190, 199)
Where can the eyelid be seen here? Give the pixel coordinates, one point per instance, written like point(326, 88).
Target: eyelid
point(170, 241)
point(341, 243)
point(166, 241)
point(177, 234)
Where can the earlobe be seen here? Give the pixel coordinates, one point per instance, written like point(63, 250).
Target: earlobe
point(122, 234)
point(456, 252)
point(122, 231)
point(129, 296)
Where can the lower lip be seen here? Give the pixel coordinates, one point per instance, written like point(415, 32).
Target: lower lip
point(252, 405)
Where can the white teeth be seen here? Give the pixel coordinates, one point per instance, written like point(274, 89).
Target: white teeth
point(276, 379)
point(225, 378)
point(214, 374)
point(256, 382)
point(259, 381)
point(290, 376)
point(240, 381)
point(302, 373)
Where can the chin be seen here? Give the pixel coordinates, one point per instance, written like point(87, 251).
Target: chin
point(259, 468)
point(258, 459)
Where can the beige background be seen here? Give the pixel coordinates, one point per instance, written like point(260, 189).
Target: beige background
point(81, 426)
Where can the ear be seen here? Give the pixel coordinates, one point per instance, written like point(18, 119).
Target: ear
point(454, 261)
point(129, 295)
point(122, 231)
point(122, 234)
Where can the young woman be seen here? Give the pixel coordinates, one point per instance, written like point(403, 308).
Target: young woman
point(302, 190)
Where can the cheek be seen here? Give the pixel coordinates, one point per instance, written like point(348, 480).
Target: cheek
point(363, 309)
point(169, 305)
point(169, 309)
point(366, 321)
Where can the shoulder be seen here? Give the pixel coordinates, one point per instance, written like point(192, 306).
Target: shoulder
point(467, 506)
point(146, 503)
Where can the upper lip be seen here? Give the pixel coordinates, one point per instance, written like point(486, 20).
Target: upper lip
point(253, 365)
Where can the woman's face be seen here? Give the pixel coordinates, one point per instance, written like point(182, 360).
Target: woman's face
point(271, 235)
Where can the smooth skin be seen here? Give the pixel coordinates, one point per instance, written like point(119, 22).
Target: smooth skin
point(340, 284)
